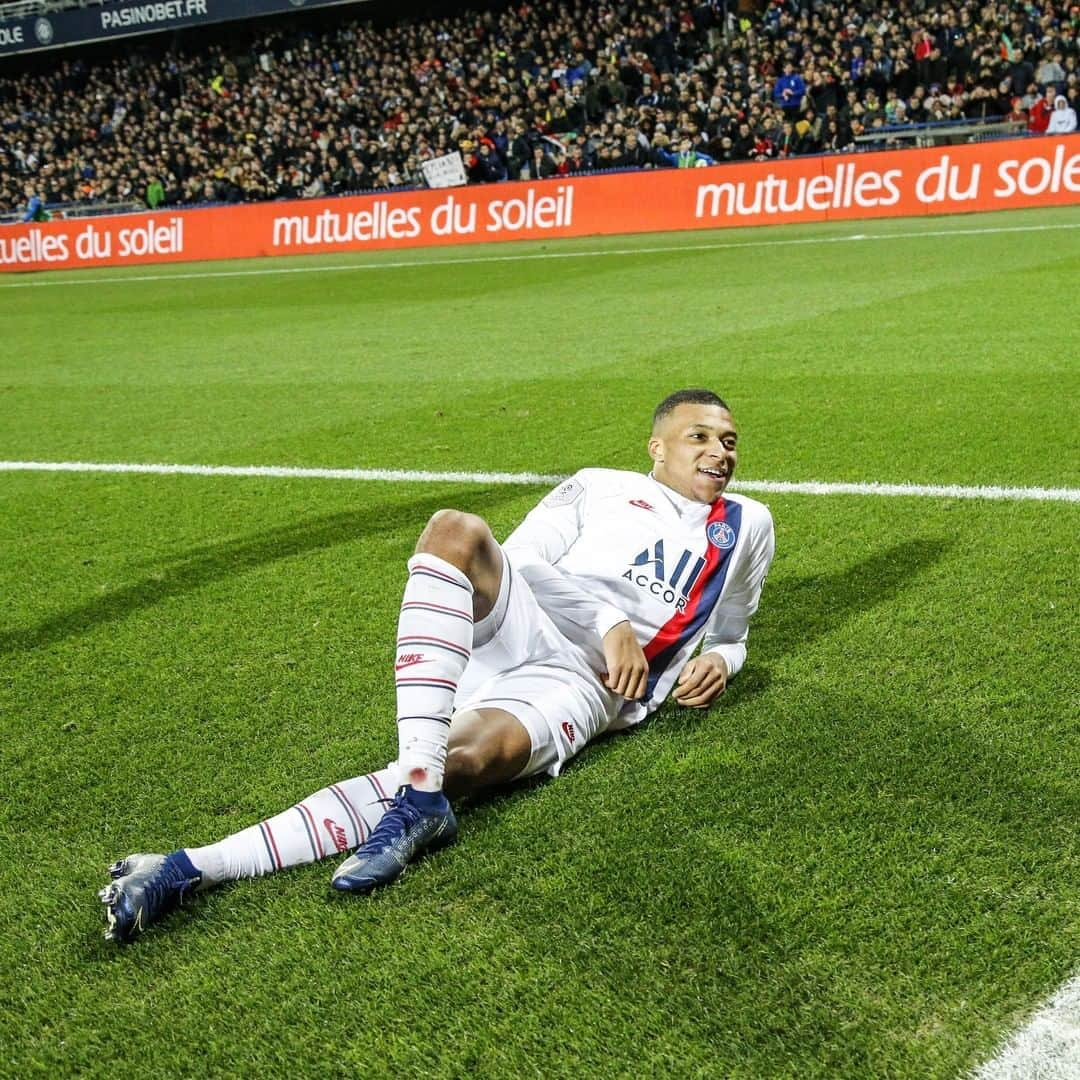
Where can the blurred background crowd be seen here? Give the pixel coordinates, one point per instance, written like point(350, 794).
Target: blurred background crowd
point(305, 107)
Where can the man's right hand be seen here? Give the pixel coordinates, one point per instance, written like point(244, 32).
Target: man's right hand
point(627, 669)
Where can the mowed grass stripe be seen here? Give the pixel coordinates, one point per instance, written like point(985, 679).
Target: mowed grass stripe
point(778, 487)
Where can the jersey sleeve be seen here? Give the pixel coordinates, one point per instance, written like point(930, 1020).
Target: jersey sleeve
point(534, 548)
point(727, 629)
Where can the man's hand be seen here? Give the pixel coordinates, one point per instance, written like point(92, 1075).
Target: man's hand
point(702, 681)
point(627, 669)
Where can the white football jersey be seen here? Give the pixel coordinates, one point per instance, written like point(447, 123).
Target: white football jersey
point(607, 545)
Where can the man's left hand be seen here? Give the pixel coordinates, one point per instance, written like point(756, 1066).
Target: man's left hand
point(702, 681)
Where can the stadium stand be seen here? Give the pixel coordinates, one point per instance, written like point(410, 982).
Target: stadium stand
point(540, 88)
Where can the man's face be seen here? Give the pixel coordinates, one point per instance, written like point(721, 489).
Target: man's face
point(694, 451)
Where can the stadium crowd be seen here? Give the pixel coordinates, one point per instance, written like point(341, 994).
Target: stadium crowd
point(540, 88)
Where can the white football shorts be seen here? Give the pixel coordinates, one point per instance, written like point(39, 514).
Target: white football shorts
point(521, 663)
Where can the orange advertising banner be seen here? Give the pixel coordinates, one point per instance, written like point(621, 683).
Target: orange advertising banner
point(1042, 171)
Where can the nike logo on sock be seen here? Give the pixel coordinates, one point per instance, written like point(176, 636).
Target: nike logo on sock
point(409, 659)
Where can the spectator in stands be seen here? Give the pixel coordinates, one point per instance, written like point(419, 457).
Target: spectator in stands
point(1063, 118)
point(541, 166)
point(518, 151)
point(686, 157)
point(1050, 70)
point(742, 146)
point(155, 193)
point(634, 154)
point(808, 130)
point(489, 167)
point(1039, 116)
point(1017, 114)
point(35, 206)
point(790, 89)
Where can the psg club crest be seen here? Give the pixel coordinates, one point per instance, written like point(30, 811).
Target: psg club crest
point(721, 535)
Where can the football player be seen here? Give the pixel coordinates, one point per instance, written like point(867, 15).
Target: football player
point(618, 590)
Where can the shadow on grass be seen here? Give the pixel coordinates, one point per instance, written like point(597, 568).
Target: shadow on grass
point(793, 614)
point(199, 566)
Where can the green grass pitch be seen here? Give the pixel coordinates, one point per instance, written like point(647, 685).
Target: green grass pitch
point(861, 863)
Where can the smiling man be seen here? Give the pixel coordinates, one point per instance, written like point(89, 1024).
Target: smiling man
point(511, 658)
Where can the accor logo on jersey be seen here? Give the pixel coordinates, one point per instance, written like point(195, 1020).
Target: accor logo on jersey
point(674, 589)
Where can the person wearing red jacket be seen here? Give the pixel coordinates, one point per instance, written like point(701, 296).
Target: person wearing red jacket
point(1039, 118)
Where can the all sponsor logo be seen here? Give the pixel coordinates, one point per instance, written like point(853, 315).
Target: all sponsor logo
point(409, 659)
point(668, 580)
point(642, 504)
point(43, 31)
point(721, 535)
point(569, 732)
point(337, 834)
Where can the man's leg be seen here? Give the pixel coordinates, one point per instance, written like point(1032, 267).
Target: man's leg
point(488, 748)
point(343, 815)
point(454, 580)
point(333, 820)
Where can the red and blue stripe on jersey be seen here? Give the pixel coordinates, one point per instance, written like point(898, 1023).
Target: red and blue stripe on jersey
point(684, 625)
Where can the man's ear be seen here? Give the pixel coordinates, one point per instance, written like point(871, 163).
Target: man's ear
point(656, 449)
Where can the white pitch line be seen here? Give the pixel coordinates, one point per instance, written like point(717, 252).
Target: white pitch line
point(287, 471)
point(40, 283)
point(1047, 1047)
point(779, 487)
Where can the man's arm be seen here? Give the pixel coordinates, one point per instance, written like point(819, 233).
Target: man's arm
point(723, 651)
point(546, 534)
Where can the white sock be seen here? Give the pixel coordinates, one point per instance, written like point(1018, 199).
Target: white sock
point(333, 820)
point(435, 633)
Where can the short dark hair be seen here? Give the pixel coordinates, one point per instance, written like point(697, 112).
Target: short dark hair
point(686, 397)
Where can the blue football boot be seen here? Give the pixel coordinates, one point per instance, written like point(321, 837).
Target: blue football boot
point(417, 822)
point(145, 887)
